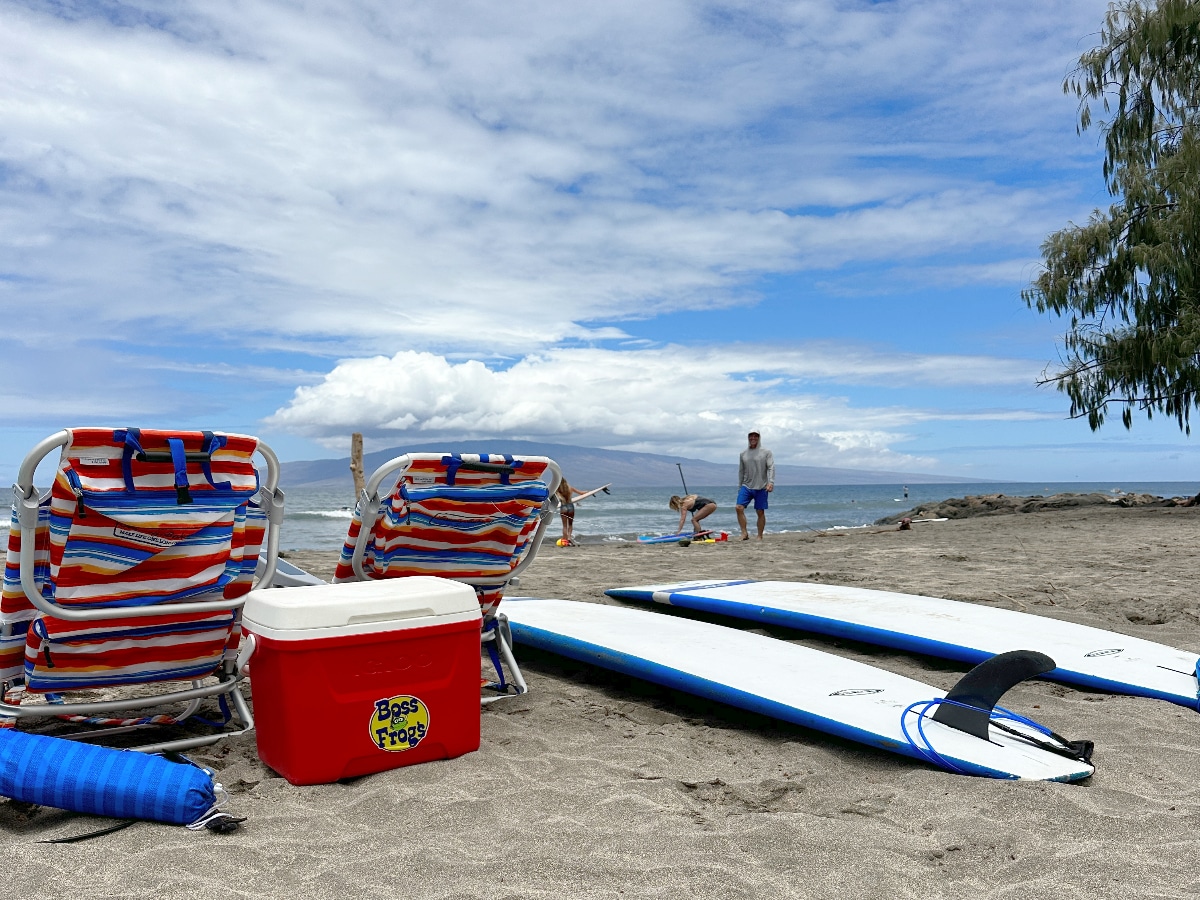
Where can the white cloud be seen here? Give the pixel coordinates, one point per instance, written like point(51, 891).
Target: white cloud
point(670, 399)
point(475, 176)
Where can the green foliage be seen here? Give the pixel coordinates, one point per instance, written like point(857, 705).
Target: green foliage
point(1126, 280)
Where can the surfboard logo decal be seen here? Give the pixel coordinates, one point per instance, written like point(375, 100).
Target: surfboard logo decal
point(856, 692)
point(1113, 652)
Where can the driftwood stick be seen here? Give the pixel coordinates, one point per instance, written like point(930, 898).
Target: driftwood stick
point(356, 463)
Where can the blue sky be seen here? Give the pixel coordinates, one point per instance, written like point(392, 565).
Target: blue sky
point(627, 225)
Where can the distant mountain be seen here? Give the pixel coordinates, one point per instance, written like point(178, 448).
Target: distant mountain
point(587, 467)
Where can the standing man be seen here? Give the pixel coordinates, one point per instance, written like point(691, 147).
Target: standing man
point(756, 475)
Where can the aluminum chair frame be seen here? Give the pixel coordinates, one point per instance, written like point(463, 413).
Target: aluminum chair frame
point(499, 632)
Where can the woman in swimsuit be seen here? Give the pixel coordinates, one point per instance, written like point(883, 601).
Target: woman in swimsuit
point(566, 512)
point(699, 507)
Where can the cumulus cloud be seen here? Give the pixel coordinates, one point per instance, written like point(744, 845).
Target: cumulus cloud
point(671, 399)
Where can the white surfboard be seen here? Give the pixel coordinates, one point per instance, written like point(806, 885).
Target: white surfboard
point(968, 632)
point(786, 681)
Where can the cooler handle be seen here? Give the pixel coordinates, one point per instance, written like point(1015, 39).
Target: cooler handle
point(249, 645)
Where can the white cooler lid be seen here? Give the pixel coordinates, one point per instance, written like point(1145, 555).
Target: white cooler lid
point(358, 607)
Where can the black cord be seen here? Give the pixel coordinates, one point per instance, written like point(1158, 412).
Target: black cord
point(75, 839)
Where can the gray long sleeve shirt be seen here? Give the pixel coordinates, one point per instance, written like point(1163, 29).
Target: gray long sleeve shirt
point(756, 468)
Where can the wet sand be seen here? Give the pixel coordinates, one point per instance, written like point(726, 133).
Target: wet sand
point(593, 785)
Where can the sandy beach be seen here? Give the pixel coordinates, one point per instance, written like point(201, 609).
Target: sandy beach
point(595, 786)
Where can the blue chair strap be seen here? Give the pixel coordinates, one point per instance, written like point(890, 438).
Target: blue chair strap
point(212, 443)
point(494, 655)
point(177, 455)
point(132, 438)
point(179, 460)
point(452, 464)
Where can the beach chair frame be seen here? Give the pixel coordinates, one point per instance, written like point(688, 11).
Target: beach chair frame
point(28, 502)
point(495, 627)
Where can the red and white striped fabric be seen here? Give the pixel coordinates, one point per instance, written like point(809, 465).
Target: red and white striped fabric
point(445, 519)
point(135, 518)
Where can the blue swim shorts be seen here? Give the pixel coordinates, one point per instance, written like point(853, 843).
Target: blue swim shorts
point(745, 495)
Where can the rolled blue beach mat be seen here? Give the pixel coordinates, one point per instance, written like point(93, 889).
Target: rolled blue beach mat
point(101, 781)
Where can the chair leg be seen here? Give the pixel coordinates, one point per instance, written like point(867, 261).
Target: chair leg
point(504, 636)
point(501, 634)
point(242, 715)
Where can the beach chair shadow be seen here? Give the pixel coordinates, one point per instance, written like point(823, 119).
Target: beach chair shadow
point(127, 577)
point(478, 519)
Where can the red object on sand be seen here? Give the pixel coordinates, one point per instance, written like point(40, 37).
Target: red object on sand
point(357, 678)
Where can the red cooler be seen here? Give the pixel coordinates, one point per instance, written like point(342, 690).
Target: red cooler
point(349, 679)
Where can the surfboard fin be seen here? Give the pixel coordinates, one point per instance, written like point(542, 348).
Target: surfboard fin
point(973, 700)
point(981, 689)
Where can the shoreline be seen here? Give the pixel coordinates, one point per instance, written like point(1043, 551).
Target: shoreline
point(320, 520)
point(1015, 548)
point(954, 508)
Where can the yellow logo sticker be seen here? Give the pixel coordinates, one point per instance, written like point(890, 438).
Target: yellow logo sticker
point(399, 723)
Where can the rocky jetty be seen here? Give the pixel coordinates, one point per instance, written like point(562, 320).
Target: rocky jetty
point(1002, 504)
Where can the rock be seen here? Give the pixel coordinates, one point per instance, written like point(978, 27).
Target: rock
point(1000, 504)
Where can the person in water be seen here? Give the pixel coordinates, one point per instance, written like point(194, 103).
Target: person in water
point(699, 507)
point(566, 513)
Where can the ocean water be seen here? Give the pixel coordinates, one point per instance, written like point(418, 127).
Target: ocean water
point(317, 518)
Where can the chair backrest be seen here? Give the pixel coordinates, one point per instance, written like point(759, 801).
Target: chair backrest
point(138, 528)
point(478, 519)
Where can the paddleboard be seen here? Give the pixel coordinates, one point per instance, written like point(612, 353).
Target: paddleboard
point(968, 632)
point(671, 538)
point(577, 497)
point(786, 681)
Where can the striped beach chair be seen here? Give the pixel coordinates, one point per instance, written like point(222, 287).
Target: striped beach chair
point(478, 519)
point(132, 570)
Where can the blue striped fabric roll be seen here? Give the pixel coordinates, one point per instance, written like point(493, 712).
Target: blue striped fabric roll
point(101, 781)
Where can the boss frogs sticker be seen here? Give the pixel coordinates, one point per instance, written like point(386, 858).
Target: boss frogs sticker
point(399, 723)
